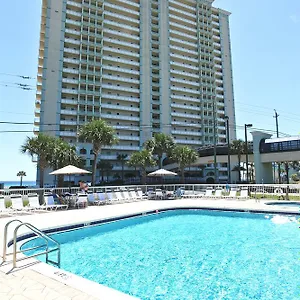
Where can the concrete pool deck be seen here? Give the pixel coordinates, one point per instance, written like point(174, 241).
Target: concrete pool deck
point(40, 281)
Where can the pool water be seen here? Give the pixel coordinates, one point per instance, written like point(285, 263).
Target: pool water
point(285, 204)
point(188, 254)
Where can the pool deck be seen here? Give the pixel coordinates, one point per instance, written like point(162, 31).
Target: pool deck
point(36, 280)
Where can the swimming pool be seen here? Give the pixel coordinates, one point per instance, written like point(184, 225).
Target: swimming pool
point(189, 254)
point(285, 204)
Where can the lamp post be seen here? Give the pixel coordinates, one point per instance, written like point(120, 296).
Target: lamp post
point(228, 146)
point(246, 150)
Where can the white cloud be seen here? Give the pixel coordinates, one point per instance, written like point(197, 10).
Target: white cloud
point(295, 19)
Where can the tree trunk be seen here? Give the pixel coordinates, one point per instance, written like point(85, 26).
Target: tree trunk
point(94, 168)
point(160, 162)
point(41, 176)
point(239, 162)
point(143, 177)
point(21, 181)
point(122, 170)
point(182, 174)
point(287, 173)
point(60, 180)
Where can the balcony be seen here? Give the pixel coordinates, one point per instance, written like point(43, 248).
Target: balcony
point(117, 42)
point(122, 25)
point(120, 88)
point(184, 115)
point(124, 61)
point(185, 90)
point(129, 137)
point(186, 28)
point(173, 96)
point(133, 128)
point(122, 79)
point(69, 101)
point(184, 58)
point(189, 142)
point(121, 17)
point(120, 107)
point(186, 124)
point(184, 66)
point(122, 147)
point(193, 108)
point(68, 112)
point(122, 34)
point(180, 42)
point(119, 117)
point(181, 34)
point(185, 82)
point(68, 133)
point(123, 70)
point(63, 122)
point(121, 98)
point(186, 132)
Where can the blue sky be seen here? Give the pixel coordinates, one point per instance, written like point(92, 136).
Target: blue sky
point(266, 64)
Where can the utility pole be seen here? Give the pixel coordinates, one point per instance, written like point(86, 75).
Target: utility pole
point(277, 134)
point(215, 141)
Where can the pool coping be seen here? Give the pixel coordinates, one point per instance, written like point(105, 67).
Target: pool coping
point(93, 288)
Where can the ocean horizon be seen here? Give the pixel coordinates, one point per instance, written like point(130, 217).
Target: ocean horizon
point(7, 184)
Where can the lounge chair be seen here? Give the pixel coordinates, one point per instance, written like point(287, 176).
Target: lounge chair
point(120, 197)
point(132, 195)
point(111, 197)
point(3, 209)
point(218, 194)
point(34, 202)
point(126, 196)
point(101, 198)
point(244, 194)
point(232, 195)
point(50, 204)
point(208, 193)
point(140, 195)
point(91, 199)
point(159, 194)
point(81, 200)
point(17, 204)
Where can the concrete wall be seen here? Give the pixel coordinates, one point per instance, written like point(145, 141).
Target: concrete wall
point(227, 71)
point(145, 71)
point(164, 62)
point(52, 68)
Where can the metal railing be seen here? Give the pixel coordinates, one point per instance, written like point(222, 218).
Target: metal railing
point(290, 191)
point(38, 233)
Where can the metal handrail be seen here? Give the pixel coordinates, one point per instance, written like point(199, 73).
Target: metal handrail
point(5, 237)
point(39, 233)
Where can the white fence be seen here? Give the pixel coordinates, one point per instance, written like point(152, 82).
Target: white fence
point(269, 191)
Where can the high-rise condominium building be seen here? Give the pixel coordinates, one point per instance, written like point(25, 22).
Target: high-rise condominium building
point(144, 66)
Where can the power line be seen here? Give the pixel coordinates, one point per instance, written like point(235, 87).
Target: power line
point(20, 76)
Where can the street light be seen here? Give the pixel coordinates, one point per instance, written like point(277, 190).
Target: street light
point(246, 150)
point(228, 151)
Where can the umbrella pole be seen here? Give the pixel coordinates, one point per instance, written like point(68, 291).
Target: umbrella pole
point(69, 183)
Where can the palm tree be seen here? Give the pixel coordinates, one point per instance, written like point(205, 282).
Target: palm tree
point(142, 160)
point(99, 134)
point(159, 145)
point(122, 158)
point(104, 165)
point(238, 147)
point(43, 147)
point(64, 154)
point(21, 174)
point(184, 156)
point(290, 165)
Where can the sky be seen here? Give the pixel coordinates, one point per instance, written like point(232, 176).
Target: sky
point(266, 62)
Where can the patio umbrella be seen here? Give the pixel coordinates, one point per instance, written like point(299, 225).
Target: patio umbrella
point(162, 172)
point(69, 170)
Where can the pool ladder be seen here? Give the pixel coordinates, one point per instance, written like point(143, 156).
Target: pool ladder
point(37, 233)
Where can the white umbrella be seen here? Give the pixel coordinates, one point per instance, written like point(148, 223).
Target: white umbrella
point(162, 172)
point(69, 170)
